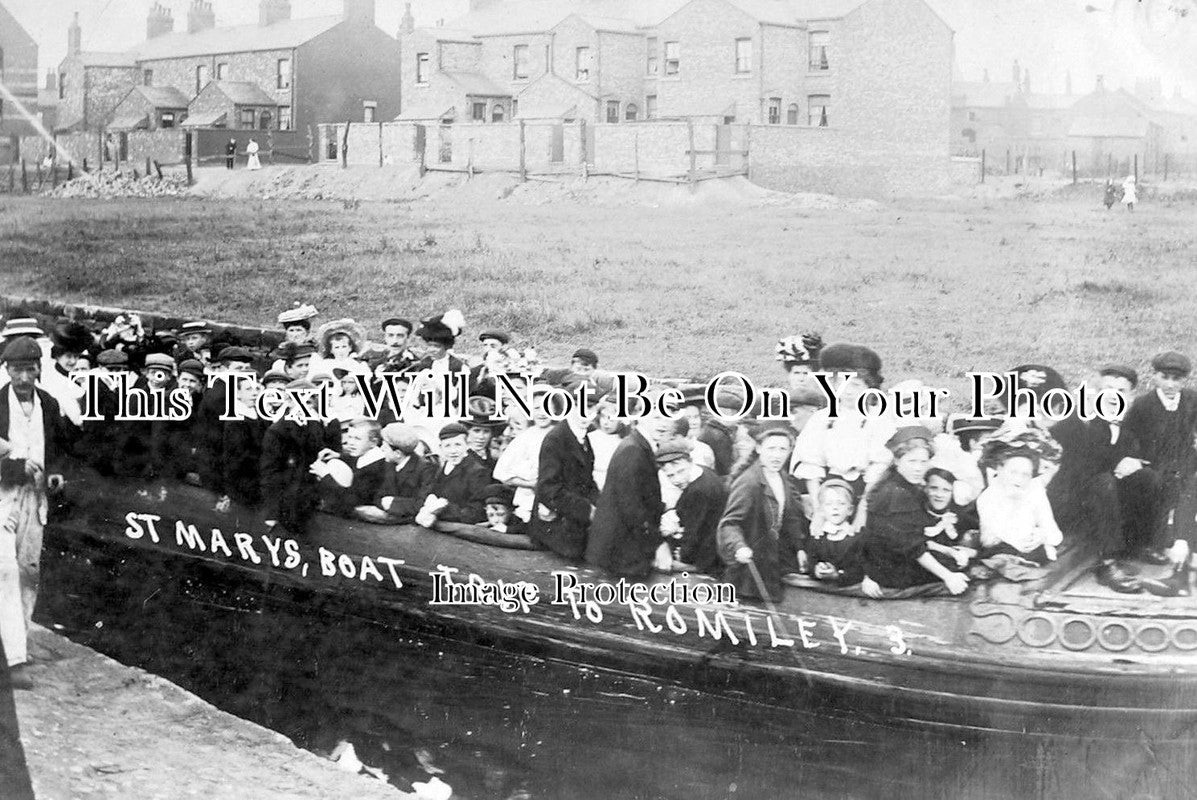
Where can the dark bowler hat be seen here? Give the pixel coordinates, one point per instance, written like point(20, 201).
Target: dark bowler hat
point(400, 321)
point(909, 433)
point(21, 350)
point(1121, 371)
point(72, 337)
point(852, 358)
point(1172, 361)
point(672, 451)
point(959, 425)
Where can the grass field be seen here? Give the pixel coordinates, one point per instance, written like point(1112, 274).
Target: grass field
point(938, 288)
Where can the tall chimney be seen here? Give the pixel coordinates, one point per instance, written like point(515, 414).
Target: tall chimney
point(159, 21)
point(359, 11)
point(272, 11)
point(408, 23)
point(200, 17)
point(74, 37)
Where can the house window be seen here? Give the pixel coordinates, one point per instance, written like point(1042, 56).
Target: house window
point(630, 112)
point(422, 69)
point(284, 73)
point(650, 107)
point(650, 63)
point(515, 108)
point(479, 114)
point(167, 120)
point(817, 109)
point(818, 50)
point(519, 62)
point(774, 110)
point(248, 118)
point(582, 64)
point(284, 118)
point(496, 114)
point(147, 77)
point(743, 55)
point(369, 111)
point(972, 116)
point(970, 134)
point(222, 71)
point(612, 111)
point(792, 114)
point(673, 58)
point(201, 77)
point(264, 119)
point(62, 86)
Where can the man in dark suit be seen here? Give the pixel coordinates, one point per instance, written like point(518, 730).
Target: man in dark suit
point(565, 488)
point(1165, 422)
point(699, 509)
point(1103, 491)
point(625, 533)
point(457, 491)
point(403, 489)
point(34, 439)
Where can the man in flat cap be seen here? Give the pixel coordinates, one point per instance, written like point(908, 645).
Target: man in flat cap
point(34, 439)
point(1165, 421)
point(457, 490)
point(693, 524)
point(403, 489)
point(1104, 491)
point(395, 356)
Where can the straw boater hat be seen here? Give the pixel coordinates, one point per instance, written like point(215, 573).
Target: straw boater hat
point(188, 328)
point(355, 332)
point(21, 326)
point(299, 314)
point(442, 329)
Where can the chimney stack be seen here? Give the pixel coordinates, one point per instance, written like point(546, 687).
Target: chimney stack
point(200, 17)
point(74, 37)
point(408, 23)
point(359, 11)
point(272, 11)
point(159, 22)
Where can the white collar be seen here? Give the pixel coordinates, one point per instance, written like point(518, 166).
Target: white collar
point(368, 458)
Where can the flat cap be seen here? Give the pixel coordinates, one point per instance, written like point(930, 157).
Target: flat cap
point(1172, 361)
point(909, 433)
point(500, 494)
point(586, 356)
point(113, 358)
point(191, 367)
point(21, 350)
point(403, 438)
point(499, 336)
point(1121, 371)
point(235, 353)
point(672, 451)
point(451, 430)
point(160, 361)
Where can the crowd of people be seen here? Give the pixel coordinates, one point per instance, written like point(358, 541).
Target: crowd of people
point(857, 502)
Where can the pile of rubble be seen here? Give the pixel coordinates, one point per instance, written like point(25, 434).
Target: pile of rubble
point(116, 184)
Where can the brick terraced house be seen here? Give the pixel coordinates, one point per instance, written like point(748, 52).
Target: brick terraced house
point(18, 72)
point(280, 73)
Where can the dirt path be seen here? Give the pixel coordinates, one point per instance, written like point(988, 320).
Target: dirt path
point(94, 728)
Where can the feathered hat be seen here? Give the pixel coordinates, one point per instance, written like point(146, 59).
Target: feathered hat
point(443, 329)
point(71, 337)
point(800, 350)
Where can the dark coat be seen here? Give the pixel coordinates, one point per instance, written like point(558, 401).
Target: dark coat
point(363, 487)
point(1165, 438)
point(408, 486)
point(722, 441)
point(288, 488)
point(893, 536)
point(626, 530)
point(464, 488)
point(752, 519)
point(57, 431)
point(700, 509)
point(237, 460)
point(564, 485)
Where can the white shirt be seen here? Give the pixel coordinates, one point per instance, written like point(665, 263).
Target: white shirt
point(26, 434)
point(521, 460)
point(1169, 405)
point(603, 445)
point(849, 446)
point(1022, 520)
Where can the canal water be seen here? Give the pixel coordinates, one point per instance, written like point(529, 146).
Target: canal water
point(418, 701)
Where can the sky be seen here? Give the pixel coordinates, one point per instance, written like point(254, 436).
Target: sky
point(1121, 39)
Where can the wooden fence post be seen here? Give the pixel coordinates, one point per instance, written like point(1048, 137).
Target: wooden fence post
point(982, 165)
point(381, 160)
point(24, 178)
point(38, 167)
point(147, 165)
point(70, 170)
point(345, 147)
point(1136, 172)
point(311, 141)
point(693, 155)
point(188, 152)
point(1007, 160)
point(1074, 168)
point(12, 178)
point(158, 168)
point(523, 153)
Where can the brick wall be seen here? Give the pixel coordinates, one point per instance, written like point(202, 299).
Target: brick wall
point(80, 146)
point(212, 100)
point(966, 171)
point(550, 91)
point(105, 87)
point(622, 72)
point(20, 75)
point(570, 34)
point(495, 59)
point(134, 104)
point(343, 68)
point(260, 69)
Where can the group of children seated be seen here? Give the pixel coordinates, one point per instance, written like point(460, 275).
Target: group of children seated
point(861, 501)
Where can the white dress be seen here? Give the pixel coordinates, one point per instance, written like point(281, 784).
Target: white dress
point(251, 150)
point(1128, 192)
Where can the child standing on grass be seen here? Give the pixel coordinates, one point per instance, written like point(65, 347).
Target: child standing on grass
point(1129, 195)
